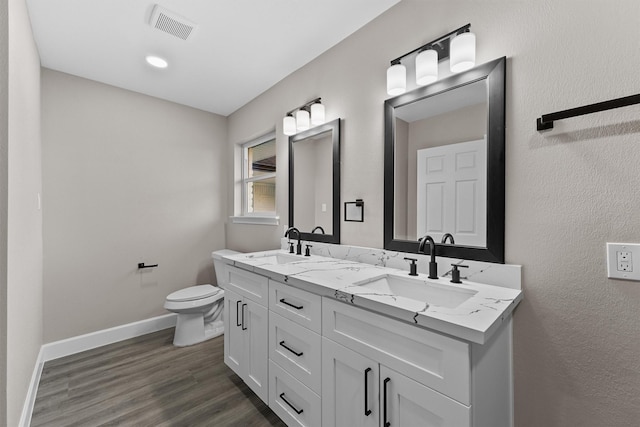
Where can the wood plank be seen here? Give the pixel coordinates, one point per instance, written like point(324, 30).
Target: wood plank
point(146, 381)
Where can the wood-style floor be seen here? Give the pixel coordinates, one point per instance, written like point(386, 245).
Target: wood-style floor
point(146, 381)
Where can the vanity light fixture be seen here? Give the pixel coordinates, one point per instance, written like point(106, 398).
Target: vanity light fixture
point(426, 67)
point(317, 114)
point(289, 125)
point(303, 121)
point(463, 52)
point(396, 79)
point(306, 116)
point(156, 61)
point(459, 45)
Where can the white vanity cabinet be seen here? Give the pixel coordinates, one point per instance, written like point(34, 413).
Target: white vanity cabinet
point(246, 329)
point(321, 362)
point(378, 370)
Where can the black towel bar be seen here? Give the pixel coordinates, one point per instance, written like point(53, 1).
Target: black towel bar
point(546, 121)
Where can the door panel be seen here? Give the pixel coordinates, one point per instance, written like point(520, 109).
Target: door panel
point(343, 388)
point(256, 348)
point(233, 336)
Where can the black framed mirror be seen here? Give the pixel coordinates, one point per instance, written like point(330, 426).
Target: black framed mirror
point(444, 167)
point(314, 183)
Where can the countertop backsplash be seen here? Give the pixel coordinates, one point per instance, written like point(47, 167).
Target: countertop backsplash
point(505, 275)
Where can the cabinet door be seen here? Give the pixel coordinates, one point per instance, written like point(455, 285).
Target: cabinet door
point(256, 332)
point(349, 388)
point(233, 334)
point(407, 403)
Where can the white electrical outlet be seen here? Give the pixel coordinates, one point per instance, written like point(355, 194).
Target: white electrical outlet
point(620, 261)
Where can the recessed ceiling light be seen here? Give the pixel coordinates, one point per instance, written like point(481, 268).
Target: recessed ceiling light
point(156, 61)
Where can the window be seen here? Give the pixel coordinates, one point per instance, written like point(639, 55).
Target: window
point(259, 177)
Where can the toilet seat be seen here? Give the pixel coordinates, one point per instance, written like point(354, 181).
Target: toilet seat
point(193, 293)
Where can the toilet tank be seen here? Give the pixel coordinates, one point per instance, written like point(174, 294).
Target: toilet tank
point(220, 266)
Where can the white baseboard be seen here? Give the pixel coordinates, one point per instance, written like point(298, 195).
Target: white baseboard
point(96, 339)
point(30, 400)
point(85, 342)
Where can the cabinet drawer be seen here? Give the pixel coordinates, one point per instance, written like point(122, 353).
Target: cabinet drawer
point(434, 360)
point(296, 349)
point(248, 284)
point(297, 305)
point(294, 403)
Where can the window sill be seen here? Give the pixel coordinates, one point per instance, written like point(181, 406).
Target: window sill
point(258, 220)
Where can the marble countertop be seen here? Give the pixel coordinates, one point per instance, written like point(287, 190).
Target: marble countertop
point(475, 319)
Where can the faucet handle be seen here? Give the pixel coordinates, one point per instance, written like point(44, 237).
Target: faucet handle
point(413, 267)
point(306, 251)
point(290, 247)
point(455, 273)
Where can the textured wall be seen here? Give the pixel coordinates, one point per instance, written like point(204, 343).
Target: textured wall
point(4, 143)
point(127, 179)
point(569, 191)
point(24, 222)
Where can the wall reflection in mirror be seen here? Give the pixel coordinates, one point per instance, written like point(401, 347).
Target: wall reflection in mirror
point(440, 167)
point(444, 165)
point(314, 182)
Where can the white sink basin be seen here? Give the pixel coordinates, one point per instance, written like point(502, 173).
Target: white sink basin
point(276, 258)
point(414, 288)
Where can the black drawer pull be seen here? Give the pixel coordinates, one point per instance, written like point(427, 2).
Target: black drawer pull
point(297, 307)
point(386, 422)
point(367, 411)
point(292, 351)
point(243, 306)
point(298, 411)
point(238, 313)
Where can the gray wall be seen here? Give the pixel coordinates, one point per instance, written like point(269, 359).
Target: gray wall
point(24, 219)
point(4, 143)
point(128, 178)
point(568, 192)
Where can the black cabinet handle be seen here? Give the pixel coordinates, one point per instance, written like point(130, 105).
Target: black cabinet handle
point(238, 313)
point(386, 421)
point(292, 351)
point(243, 306)
point(297, 307)
point(367, 411)
point(298, 411)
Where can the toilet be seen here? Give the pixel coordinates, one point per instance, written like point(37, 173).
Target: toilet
point(199, 308)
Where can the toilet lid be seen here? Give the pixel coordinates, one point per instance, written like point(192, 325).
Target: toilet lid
point(193, 293)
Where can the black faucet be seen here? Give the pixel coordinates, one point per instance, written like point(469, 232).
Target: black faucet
point(317, 228)
point(448, 236)
point(288, 234)
point(433, 266)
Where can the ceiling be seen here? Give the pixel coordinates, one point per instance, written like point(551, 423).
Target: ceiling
point(237, 50)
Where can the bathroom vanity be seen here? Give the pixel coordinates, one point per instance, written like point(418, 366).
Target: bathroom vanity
point(336, 342)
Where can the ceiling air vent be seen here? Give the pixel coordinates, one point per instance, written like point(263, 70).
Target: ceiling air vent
point(171, 23)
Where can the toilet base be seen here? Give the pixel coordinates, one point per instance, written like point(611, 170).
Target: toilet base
point(191, 329)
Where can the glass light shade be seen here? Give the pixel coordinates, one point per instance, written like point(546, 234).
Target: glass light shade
point(317, 114)
point(396, 79)
point(462, 52)
point(289, 125)
point(426, 67)
point(156, 61)
point(302, 120)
